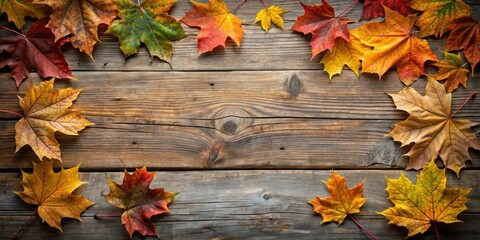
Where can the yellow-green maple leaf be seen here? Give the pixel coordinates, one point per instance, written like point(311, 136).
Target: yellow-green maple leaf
point(17, 10)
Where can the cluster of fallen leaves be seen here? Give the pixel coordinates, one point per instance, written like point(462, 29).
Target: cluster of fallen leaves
point(374, 47)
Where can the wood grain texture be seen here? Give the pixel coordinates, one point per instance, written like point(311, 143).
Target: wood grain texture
point(239, 205)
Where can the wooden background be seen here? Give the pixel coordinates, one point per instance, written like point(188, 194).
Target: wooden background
point(246, 135)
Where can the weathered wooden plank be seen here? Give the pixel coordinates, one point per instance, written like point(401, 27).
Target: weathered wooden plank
point(238, 205)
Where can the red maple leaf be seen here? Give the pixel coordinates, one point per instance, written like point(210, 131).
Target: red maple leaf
point(465, 35)
point(139, 201)
point(320, 21)
point(374, 8)
point(37, 50)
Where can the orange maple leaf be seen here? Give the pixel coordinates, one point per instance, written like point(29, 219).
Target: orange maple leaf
point(46, 112)
point(320, 21)
point(342, 201)
point(427, 201)
point(216, 24)
point(139, 201)
point(80, 18)
point(432, 129)
point(394, 45)
point(52, 192)
point(452, 69)
point(465, 35)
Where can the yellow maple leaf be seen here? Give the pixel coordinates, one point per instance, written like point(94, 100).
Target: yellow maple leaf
point(52, 192)
point(269, 15)
point(432, 129)
point(453, 70)
point(344, 53)
point(427, 201)
point(46, 112)
point(342, 201)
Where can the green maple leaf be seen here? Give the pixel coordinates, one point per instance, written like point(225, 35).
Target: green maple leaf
point(146, 22)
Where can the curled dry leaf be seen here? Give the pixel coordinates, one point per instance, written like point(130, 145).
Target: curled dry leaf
point(428, 201)
point(342, 201)
point(216, 24)
point(80, 18)
point(438, 14)
point(139, 201)
point(147, 22)
point(269, 15)
point(325, 27)
point(452, 68)
point(37, 50)
point(394, 45)
point(52, 192)
point(46, 111)
point(432, 129)
point(17, 10)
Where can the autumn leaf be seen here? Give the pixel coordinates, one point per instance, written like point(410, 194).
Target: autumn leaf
point(417, 206)
point(149, 23)
point(139, 201)
point(374, 8)
point(80, 18)
point(269, 15)
point(342, 201)
point(394, 46)
point(216, 24)
point(432, 129)
point(344, 53)
point(452, 69)
point(17, 10)
point(320, 21)
point(37, 50)
point(46, 112)
point(465, 35)
point(52, 192)
point(438, 14)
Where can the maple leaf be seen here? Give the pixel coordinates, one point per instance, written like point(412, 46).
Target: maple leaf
point(17, 10)
point(374, 8)
point(432, 129)
point(342, 201)
point(139, 201)
point(452, 69)
point(149, 23)
point(394, 45)
point(320, 21)
point(437, 14)
point(52, 192)
point(344, 53)
point(465, 35)
point(269, 15)
point(80, 18)
point(216, 24)
point(427, 201)
point(46, 112)
point(37, 50)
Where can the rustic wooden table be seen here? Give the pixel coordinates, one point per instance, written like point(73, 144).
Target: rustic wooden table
point(246, 135)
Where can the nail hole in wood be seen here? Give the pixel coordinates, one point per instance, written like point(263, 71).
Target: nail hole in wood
point(134, 142)
point(282, 148)
point(212, 84)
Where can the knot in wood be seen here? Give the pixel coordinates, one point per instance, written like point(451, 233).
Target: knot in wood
point(231, 121)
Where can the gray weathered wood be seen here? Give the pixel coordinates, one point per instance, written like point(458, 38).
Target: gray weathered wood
point(238, 205)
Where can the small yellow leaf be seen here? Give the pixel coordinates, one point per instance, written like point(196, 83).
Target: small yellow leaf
point(342, 201)
point(52, 192)
point(427, 201)
point(269, 15)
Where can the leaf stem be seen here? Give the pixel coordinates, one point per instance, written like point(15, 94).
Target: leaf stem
point(348, 8)
point(436, 231)
point(12, 113)
point(11, 30)
point(263, 3)
point(464, 103)
point(99, 216)
point(361, 227)
point(24, 225)
point(238, 5)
